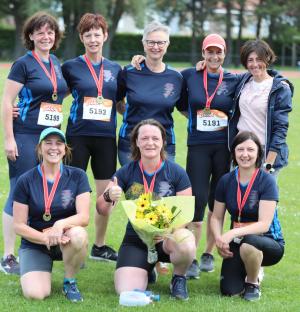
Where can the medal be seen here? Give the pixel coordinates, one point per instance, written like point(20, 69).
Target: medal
point(100, 99)
point(152, 256)
point(206, 112)
point(54, 96)
point(98, 80)
point(47, 216)
point(51, 77)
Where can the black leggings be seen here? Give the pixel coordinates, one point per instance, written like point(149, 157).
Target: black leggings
point(233, 271)
point(206, 164)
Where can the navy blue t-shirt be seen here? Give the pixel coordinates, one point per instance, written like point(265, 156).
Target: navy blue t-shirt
point(194, 99)
point(170, 179)
point(264, 188)
point(29, 191)
point(37, 89)
point(149, 95)
point(82, 84)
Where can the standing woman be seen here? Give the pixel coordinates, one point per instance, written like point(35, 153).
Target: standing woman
point(250, 195)
point(91, 130)
point(207, 102)
point(51, 209)
point(151, 92)
point(263, 101)
point(37, 81)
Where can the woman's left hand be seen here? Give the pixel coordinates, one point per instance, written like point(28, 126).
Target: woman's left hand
point(200, 65)
point(55, 234)
point(137, 60)
point(157, 239)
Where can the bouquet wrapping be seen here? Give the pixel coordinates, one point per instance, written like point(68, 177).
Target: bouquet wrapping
point(151, 218)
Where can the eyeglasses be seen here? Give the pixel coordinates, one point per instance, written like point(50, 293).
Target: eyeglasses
point(152, 43)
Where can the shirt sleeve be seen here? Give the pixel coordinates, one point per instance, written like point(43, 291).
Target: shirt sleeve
point(269, 189)
point(182, 181)
point(182, 104)
point(18, 72)
point(65, 72)
point(21, 192)
point(220, 190)
point(121, 82)
point(121, 175)
point(83, 183)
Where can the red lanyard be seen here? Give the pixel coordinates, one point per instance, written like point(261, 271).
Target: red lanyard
point(210, 98)
point(241, 202)
point(146, 187)
point(51, 77)
point(98, 81)
point(49, 198)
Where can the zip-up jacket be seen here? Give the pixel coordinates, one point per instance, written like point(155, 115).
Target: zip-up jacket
point(279, 105)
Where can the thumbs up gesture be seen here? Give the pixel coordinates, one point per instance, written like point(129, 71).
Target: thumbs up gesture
point(115, 192)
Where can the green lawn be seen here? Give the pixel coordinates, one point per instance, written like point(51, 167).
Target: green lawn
point(280, 288)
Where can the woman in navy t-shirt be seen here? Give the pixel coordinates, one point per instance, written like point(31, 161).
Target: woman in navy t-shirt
point(250, 195)
point(37, 81)
point(51, 209)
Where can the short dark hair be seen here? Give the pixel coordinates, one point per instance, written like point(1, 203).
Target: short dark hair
point(35, 22)
point(135, 151)
point(261, 48)
point(89, 21)
point(242, 137)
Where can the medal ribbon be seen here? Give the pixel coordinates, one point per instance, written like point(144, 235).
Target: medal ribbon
point(241, 201)
point(210, 98)
point(98, 81)
point(49, 198)
point(51, 77)
point(146, 187)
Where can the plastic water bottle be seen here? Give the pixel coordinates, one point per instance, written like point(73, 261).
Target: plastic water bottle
point(149, 293)
point(134, 298)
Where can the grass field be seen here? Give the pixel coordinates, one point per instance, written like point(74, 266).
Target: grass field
point(280, 288)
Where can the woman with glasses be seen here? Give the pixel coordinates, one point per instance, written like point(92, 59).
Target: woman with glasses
point(151, 92)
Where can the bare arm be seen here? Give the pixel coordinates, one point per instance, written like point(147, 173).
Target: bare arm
point(10, 93)
point(186, 192)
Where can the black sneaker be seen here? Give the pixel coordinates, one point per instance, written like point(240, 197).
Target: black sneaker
point(252, 292)
point(10, 265)
point(103, 253)
point(178, 288)
point(152, 276)
point(207, 263)
point(193, 271)
point(71, 291)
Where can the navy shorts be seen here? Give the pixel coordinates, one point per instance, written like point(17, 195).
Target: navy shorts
point(233, 271)
point(32, 260)
point(27, 160)
point(102, 152)
point(133, 253)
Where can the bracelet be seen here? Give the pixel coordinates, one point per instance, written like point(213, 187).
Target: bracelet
point(107, 197)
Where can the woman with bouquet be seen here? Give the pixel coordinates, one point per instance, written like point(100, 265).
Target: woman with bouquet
point(250, 195)
point(149, 172)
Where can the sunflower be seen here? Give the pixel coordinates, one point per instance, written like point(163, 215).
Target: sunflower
point(151, 218)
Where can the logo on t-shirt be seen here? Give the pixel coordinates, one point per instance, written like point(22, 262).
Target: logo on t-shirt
point(67, 198)
point(168, 89)
point(253, 199)
point(108, 76)
point(223, 89)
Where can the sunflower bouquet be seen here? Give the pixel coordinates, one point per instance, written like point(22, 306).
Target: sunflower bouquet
point(151, 218)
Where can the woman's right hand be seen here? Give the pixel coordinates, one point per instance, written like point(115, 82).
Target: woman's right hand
point(200, 65)
point(11, 149)
point(137, 60)
point(115, 192)
point(223, 248)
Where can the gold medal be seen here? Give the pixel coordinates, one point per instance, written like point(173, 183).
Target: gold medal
point(47, 216)
point(54, 96)
point(206, 112)
point(100, 99)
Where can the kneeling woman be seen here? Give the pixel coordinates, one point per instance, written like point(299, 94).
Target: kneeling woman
point(250, 195)
point(51, 209)
point(149, 171)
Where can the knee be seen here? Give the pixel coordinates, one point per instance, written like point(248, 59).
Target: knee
point(247, 250)
point(36, 294)
point(185, 242)
point(78, 237)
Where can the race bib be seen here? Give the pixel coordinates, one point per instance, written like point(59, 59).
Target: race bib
point(94, 109)
point(50, 115)
point(211, 120)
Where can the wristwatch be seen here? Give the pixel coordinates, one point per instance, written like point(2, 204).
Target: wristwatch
point(268, 167)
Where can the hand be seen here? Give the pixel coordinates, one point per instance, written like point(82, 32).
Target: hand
point(200, 65)
point(55, 235)
point(157, 239)
point(11, 149)
point(16, 112)
point(137, 60)
point(223, 247)
point(115, 192)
